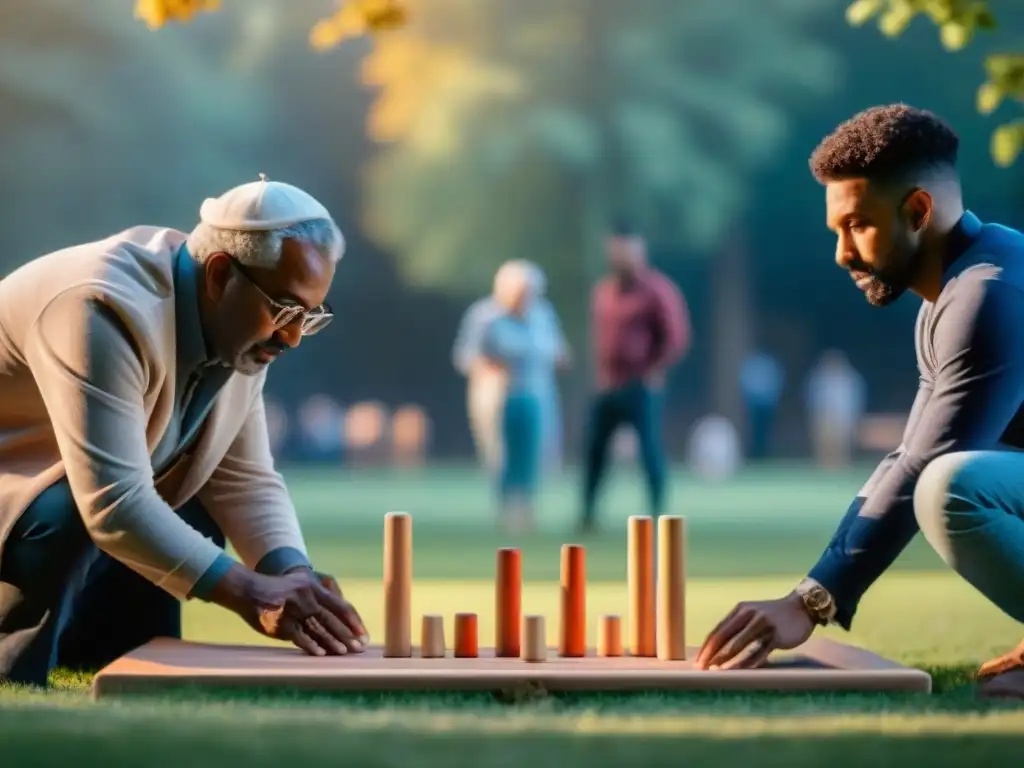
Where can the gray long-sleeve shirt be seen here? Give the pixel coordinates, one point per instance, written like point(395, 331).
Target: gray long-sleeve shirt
point(970, 355)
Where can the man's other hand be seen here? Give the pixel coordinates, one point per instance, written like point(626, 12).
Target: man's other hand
point(751, 631)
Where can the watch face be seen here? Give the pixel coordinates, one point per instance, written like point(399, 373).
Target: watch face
point(817, 599)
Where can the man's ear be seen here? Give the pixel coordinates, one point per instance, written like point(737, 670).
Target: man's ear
point(918, 207)
point(217, 269)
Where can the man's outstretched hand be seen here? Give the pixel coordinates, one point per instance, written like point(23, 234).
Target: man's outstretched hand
point(307, 609)
point(751, 631)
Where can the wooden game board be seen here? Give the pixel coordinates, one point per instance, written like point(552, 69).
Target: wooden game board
point(819, 665)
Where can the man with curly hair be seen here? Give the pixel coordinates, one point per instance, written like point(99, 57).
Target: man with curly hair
point(893, 199)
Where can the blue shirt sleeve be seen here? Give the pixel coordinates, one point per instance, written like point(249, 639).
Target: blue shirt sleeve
point(974, 391)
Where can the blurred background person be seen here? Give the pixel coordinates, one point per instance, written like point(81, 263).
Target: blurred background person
point(321, 433)
point(761, 381)
point(485, 384)
point(542, 312)
point(836, 399)
point(526, 352)
point(641, 327)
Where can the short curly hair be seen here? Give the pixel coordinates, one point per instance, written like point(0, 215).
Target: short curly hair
point(885, 144)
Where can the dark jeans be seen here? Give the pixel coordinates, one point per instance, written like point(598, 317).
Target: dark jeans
point(63, 603)
point(634, 404)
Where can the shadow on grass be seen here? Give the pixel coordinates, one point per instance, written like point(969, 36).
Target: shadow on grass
point(271, 727)
point(28, 739)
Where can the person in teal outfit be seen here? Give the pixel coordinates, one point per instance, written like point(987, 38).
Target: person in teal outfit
point(520, 342)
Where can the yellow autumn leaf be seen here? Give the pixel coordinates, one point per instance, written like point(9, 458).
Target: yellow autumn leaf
point(382, 15)
point(858, 12)
point(355, 18)
point(990, 96)
point(156, 13)
point(1007, 143)
point(955, 35)
point(896, 19)
point(329, 32)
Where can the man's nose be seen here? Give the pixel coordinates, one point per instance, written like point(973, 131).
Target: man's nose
point(290, 334)
point(845, 253)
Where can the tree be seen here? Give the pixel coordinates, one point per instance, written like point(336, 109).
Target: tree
point(561, 114)
point(958, 22)
point(85, 101)
point(514, 128)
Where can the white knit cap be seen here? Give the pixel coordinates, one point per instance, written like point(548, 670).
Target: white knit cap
point(261, 205)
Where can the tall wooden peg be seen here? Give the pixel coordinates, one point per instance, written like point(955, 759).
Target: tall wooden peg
point(397, 585)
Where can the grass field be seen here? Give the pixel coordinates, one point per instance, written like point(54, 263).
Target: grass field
point(750, 539)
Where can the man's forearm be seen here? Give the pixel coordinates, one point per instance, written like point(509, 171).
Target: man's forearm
point(860, 551)
point(139, 529)
point(232, 589)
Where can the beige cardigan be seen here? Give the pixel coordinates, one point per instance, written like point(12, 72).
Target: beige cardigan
point(45, 395)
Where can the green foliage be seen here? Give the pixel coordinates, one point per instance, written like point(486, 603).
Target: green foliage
point(958, 22)
point(92, 90)
point(516, 128)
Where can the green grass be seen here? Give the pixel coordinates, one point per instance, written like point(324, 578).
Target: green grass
point(749, 539)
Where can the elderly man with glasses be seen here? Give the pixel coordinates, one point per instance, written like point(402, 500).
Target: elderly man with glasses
point(133, 437)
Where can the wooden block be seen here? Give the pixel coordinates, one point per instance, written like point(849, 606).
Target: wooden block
point(397, 585)
point(508, 602)
point(432, 645)
point(671, 588)
point(573, 626)
point(535, 643)
point(609, 636)
point(466, 636)
point(165, 665)
point(640, 579)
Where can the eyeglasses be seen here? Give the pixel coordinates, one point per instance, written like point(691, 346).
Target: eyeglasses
point(313, 320)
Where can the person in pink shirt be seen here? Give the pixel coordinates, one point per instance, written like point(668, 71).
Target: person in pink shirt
point(641, 328)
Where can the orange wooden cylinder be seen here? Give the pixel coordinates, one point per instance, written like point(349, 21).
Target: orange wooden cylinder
point(609, 636)
point(508, 598)
point(573, 630)
point(466, 636)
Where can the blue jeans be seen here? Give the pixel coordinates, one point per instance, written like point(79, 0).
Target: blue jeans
point(970, 508)
point(523, 435)
point(64, 603)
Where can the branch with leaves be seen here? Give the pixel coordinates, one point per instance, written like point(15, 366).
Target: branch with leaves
point(958, 22)
point(353, 18)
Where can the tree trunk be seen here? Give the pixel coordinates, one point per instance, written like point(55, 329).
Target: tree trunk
point(731, 332)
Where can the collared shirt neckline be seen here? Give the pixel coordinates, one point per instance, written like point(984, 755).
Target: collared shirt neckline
point(193, 349)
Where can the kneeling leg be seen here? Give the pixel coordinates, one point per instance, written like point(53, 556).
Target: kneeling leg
point(970, 508)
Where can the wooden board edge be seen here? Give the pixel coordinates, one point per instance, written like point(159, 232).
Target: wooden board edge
point(782, 681)
point(858, 670)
